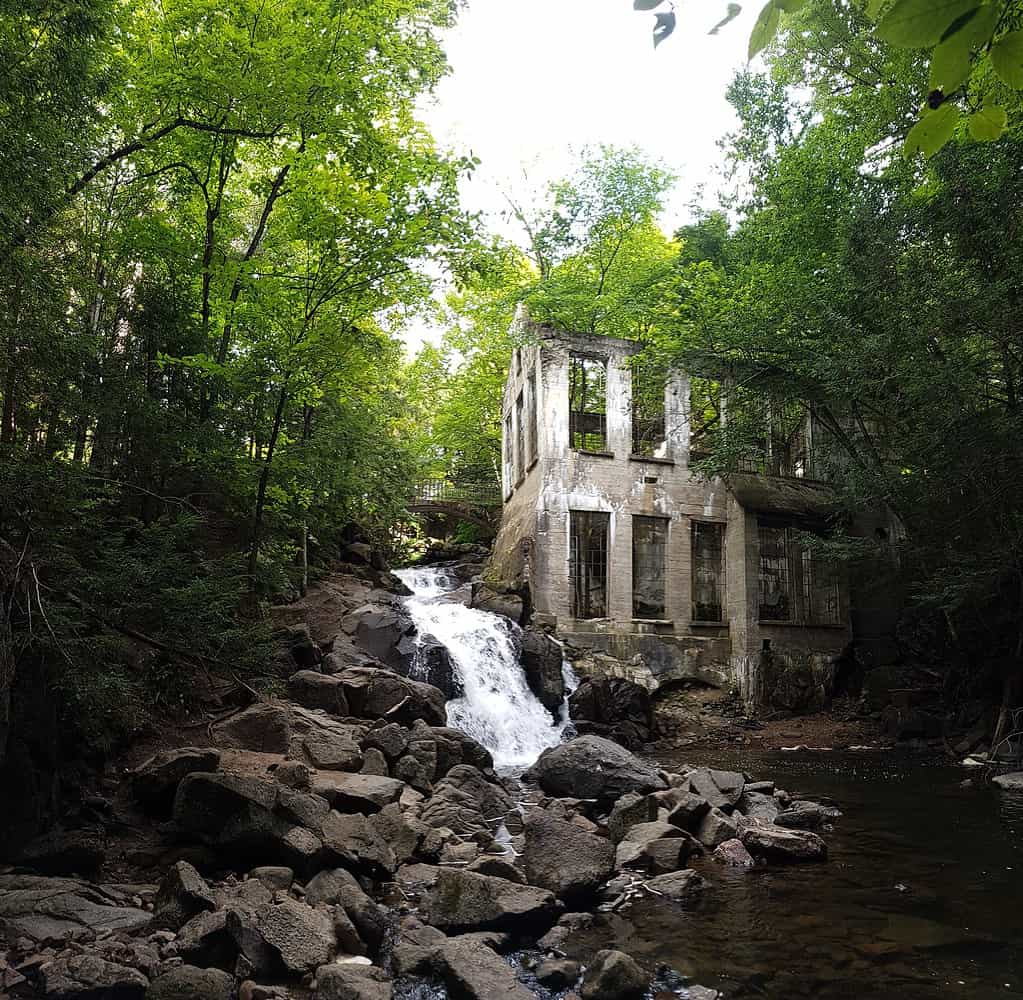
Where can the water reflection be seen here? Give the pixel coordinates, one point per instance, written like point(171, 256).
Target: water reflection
point(922, 896)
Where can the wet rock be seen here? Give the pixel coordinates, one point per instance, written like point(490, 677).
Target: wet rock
point(364, 793)
point(352, 982)
point(541, 659)
point(558, 973)
point(402, 833)
point(88, 977)
point(594, 768)
point(614, 707)
point(563, 858)
point(65, 852)
point(431, 662)
point(567, 925)
point(655, 847)
point(356, 844)
point(466, 802)
point(273, 877)
point(183, 893)
point(374, 693)
point(715, 828)
point(734, 854)
point(462, 900)
point(687, 811)
point(152, 784)
point(758, 806)
point(315, 690)
point(385, 631)
point(804, 815)
point(1009, 782)
point(51, 909)
point(302, 936)
point(453, 747)
point(781, 845)
point(205, 940)
point(684, 887)
point(722, 789)
point(187, 982)
point(264, 727)
point(472, 970)
point(613, 975)
point(628, 811)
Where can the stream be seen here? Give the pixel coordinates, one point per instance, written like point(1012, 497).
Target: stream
point(922, 895)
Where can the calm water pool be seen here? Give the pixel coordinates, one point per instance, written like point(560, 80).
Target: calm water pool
point(922, 896)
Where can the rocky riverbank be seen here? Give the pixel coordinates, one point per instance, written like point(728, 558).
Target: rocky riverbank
point(343, 840)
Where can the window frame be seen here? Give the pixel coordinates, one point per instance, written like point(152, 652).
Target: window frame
point(576, 520)
point(663, 523)
point(721, 530)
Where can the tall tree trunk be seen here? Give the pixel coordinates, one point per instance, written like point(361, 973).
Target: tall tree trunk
point(8, 413)
point(264, 479)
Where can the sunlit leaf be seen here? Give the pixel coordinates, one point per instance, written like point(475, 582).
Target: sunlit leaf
point(933, 130)
point(664, 27)
point(646, 4)
point(1007, 58)
point(734, 10)
point(952, 59)
point(790, 6)
point(989, 123)
point(921, 23)
point(765, 29)
point(873, 8)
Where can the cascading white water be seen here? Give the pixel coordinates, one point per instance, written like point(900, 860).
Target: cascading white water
point(497, 708)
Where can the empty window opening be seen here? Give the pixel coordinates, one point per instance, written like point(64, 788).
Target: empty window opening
point(509, 474)
point(534, 403)
point(649, 437)
point(649, 551)
point(708, 571)
point(587, 391)
point(588, 559)
point(796, 583)
point(774, 585)
point(520, 435)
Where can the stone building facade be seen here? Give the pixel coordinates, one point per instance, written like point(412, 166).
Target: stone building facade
point(628, 551)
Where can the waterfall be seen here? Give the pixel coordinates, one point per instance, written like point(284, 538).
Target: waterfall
point(497, 708)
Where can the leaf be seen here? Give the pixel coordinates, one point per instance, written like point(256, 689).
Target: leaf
point(664, 27)
point(989, 123)
point(790, 6)
point(953, 58)
point(1007, 59)
point(765, 28)
point(873, 8)
point(646, 4)
point(933, 130)
point(734, 10)
point(917, 24)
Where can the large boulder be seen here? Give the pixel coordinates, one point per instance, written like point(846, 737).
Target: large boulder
point(324, 742)
point(613, 975)
point(264, 727)
point(352, 982)
point(591, 767)
point(787, 846)
point(722, 789)
point(564, 858)
point(183, 893)
point(613, 707)
point(354, 843)
point(188, 982)
point(302, 936)
point(384, 631)
point(628, 811)
point(312, 689)
point(541, 659)
point(339, 887)
point(455, 747)
point(89, 977)
point(153, 783)
point(466, 802)
point(684, 887)
point(51, 909)
point(474, 971)
point(432, 663)
point(655, 848)
point(363, 793)
point(462, 900)
point(373, 693)
point(65, 852)
point(715, 828)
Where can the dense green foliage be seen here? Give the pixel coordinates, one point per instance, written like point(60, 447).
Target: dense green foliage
point(213, 219)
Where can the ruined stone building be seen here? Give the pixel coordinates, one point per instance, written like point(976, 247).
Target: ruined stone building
point(628, 551)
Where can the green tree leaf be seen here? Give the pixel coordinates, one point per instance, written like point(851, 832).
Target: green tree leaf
point(933, 130)
point(873, 8)
point(952, 59)
point(734, 10)
point(1007, 58)
point(989, 123)
point(921, 23)
point(790, 6)
point(646, 4)
point(765, 28)
point(664, 27)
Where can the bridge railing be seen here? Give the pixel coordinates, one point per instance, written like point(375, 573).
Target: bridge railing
point(447, 491)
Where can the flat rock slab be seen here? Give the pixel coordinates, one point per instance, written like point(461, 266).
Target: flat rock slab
point(1010, 782)
point(85, 977)
point(591, 767)
point(779, 844)
point(462, 900)
point(46, 909)
point(363, 793)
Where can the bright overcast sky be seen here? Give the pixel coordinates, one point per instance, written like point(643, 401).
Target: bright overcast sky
point(533, 81)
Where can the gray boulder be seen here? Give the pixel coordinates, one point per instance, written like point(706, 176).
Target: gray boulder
point(787, 846)
point(615, 707)
point(734, 854)
point(303, 937)
point(338, 887)
point(688, 809)
point(188, 982)
point(462, 900)
point(564, 858)
point(722, 789)
point(153, 784)
point(373, 693)
point(474, 971)
point(355, 844)
point(205, 940)
point(315, 690)
point(324, 742)
point(89, 977)
point(613, 975)
point(684, 887)
point(591, 767)
point(758, 806)
point(628, 811)
point(541, 659)
point(182, 894)
point(65, 852)
point(390, 739)
point(1009, 782)
point(655, 848)
point(715, 828)
point(804, 815)
point(347, 981)
point(364, 793)
point(465, 801)
point(264, 727)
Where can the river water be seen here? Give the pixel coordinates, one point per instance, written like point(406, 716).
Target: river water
point(921, 898)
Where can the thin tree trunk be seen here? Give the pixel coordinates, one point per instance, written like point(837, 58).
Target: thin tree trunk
point(264, 480)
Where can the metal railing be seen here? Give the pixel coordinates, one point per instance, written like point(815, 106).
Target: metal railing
point(479, 494)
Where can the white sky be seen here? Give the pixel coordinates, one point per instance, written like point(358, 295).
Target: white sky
point(534, 81)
